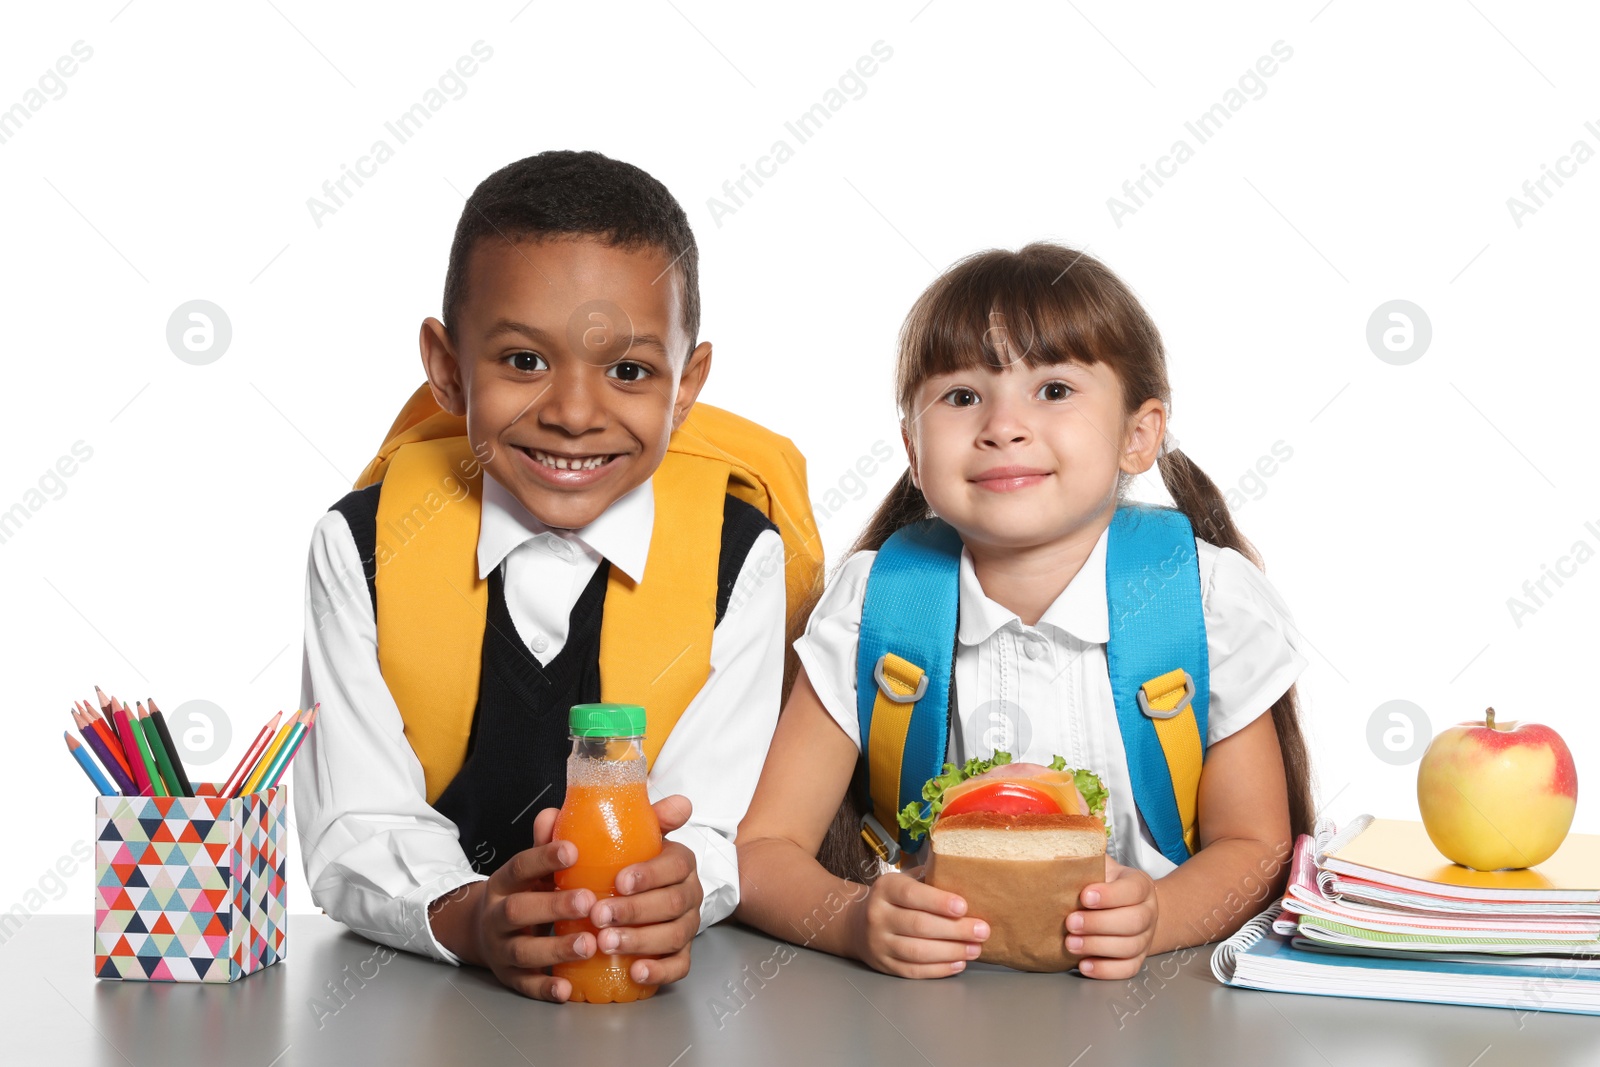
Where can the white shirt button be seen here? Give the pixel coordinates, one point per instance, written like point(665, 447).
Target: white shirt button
point(539, 643)
point(1033, 649)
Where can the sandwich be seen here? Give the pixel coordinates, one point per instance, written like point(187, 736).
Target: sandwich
point(1018, 842)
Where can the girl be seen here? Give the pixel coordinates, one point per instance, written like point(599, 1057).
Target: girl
point(1033, 389)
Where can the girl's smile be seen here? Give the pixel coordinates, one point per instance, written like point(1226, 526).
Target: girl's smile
point(1009, 479)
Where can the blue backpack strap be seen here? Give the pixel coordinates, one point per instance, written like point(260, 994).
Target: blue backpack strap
point(903, 660)
point(1159, 667)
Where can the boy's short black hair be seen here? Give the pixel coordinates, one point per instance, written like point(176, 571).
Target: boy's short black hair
point(575, 193)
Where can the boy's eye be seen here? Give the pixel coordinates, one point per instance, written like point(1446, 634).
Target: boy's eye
point(528, 361)
point(628, 371)
point(1054, 391)
point(960, 397)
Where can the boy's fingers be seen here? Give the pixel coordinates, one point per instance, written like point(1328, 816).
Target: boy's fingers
point(673, 866)
point(528, 951)
point(654, 939)
point(536, 984)
point(667, 904)
point(1115, 921)
point(544, 825)
point(672, 812)
point(518, 911)
point(533, 866)
point(670, 968)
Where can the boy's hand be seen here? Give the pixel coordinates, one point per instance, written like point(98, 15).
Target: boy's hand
point(1115, 933)
point(913, 930)
point(657, 910)
point(498, 919)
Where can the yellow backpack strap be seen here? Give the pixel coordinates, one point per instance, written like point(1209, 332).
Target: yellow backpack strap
point(655, 636)
point(427, 569)
point(1168, 700)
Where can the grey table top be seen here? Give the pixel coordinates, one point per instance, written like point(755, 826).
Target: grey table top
point(748, 999)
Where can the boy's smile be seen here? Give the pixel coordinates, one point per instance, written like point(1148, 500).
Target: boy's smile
point(571, 365)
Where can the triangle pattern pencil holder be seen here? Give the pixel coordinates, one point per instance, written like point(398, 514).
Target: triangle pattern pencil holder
point(190, 889)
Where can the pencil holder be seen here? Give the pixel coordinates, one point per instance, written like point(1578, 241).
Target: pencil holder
point(189, 889)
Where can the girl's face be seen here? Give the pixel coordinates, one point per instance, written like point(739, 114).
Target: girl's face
point(1025, 457)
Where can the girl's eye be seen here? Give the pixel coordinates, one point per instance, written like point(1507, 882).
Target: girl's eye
point(960, 397)
point(528, 361)
point(628, 371)
point(1054, 391)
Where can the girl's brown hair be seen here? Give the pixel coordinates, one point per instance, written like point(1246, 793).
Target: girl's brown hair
point(1047, 304)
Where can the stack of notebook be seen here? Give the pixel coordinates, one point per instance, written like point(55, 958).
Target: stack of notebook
point(1375, 911)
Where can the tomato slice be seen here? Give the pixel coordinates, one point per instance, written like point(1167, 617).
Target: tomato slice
point(1007, 798)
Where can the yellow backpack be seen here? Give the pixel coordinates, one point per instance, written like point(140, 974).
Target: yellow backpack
point(655, 636)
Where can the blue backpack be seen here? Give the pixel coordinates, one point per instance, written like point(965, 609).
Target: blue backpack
point(1156, 655)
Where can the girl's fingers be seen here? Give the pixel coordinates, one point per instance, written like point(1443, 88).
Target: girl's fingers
point(920, 924)
point(1118, 921)
point(926, 970)
point(654, 939)
point(922, 950)
point(1107, 948)
point(519, 911)
point(904, 892)
point(1110, 969)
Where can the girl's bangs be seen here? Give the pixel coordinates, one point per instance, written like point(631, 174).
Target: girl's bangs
point(998, 308)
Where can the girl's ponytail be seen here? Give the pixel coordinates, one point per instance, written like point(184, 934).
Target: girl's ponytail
point(904, 505)
point(1197, 496)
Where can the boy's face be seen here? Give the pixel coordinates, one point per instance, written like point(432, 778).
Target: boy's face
point(569, 364)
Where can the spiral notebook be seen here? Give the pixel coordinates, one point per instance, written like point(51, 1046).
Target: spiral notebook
point(1258, 958)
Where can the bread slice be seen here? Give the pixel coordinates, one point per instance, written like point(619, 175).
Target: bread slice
point(1030, 836)
point(1022, 874)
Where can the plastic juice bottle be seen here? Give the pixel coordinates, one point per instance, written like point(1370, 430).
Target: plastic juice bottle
point(607, 814)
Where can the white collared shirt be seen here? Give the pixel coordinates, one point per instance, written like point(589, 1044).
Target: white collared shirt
point(376, 853)
point(1042, 691)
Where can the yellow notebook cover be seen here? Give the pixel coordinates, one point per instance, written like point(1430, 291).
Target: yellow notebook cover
point(1401, 847)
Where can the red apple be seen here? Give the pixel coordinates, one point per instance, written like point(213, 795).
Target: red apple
point(1497, 795)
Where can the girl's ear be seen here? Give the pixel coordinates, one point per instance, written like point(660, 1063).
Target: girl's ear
point(439, 363)
point(1146, 430)
point(911, 454)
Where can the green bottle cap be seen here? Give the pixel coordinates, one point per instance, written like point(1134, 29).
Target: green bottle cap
point(606, 720)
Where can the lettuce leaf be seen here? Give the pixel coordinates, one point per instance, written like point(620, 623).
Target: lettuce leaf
point(918, 818)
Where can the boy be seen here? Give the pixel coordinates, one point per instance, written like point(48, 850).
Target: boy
point(505, 571)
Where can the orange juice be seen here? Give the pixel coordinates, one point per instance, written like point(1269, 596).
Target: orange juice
point(607, 814)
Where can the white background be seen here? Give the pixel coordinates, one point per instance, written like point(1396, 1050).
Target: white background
point(1376, 166)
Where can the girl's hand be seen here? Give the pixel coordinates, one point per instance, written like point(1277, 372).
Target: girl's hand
point(1115, 933)
point(913, 930)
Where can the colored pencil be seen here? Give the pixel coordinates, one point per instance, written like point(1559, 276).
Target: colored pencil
point(158, 752)
point(88, 766)
point(248, 761)
point(105, 703)
point(286, 753)
point(107, 755)
point(142, 742)
point(104, 731)
point(130, 748)
point(182, 782)
point(254, 781)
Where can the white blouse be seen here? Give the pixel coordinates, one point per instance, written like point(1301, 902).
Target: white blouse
point(1042, 691)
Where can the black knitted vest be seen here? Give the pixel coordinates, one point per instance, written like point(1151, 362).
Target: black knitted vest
point(517, 753)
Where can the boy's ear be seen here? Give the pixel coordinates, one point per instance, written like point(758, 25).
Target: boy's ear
point(695, 371)
point(1147, 429)
point(911, 455)
point(443, 369)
